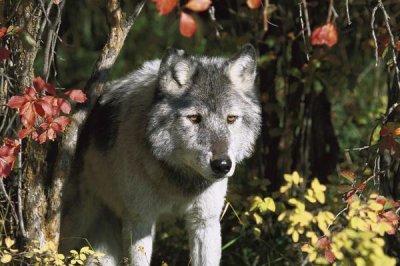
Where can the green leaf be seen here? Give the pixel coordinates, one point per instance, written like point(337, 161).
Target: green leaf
point(349, 175)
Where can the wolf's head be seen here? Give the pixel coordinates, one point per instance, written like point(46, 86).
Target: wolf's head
point(206, 115)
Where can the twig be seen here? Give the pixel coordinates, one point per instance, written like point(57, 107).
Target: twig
point(3, 189)
point(348, 13)
point(217, 26)
point(306, 18)
point(131, 20)
point(392, 43)
point(358, 149)
point(374, 35)
point(51, 42)
point(389, 112)
point(302, 31)
point(337, 216)
point(330, 12)
point(265, 15)
point(20, 204)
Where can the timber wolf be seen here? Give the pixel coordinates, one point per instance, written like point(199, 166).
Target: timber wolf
point(163, 139)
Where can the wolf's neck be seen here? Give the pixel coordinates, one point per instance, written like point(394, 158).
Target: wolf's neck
point(189, 182)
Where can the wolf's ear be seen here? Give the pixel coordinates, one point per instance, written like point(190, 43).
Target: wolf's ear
point(242, 68)
point(175, 71)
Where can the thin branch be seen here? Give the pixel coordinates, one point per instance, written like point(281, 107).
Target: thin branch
point(348, 13)
point(265, 15)
point(374, 35)
point(302, 31)
point(337, 216)
point(131, 20)
point(306, 18)
point(330, 12)
point(19, 192)
point(217, 26)
point(392, 43)
point(3, 189)
point(358, 149)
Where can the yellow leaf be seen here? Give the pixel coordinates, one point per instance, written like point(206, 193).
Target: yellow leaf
point(316, 186)
point(82, 257)
point(73, 252)
point(6, 258)
point(320, 196)
point(358, 223)
point(313, 237)
point(295, 236)
point(285, 188)
point(281, 216)
point(375, 206)
point(257, 218)
point(9, 242)
point(257, 232)
point(269, 204)
point(256, 203)
point(310, 196)
point(296, 177)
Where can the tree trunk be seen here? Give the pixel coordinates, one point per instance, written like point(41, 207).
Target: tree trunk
point(26, 15)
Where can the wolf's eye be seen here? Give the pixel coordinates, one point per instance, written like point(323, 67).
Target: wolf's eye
point(195, 119)
point(231, 119)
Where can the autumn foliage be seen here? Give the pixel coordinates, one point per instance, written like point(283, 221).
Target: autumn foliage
point(43, 116)
point(325, 35)
point(187, 24)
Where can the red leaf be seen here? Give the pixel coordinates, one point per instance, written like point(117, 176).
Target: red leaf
point(3, 32)
point(28, 115)
point(253, 4)
point(5, 168)
point(16, 102)
point(42, 137)
point(198, 5)
point(12, 145)
point(30, 93)
point(362, 186)
point(76, 95)
point(38, 83)
point(323, 242)
point(23, 133)
point(62, 121)
point(187, 25)
point(43, 108)
point(325, 35)
point(51, 134)
point(384, 132)
point(50, 88)
point(165, 6)
point(8, 154)
point(64, 105)
point(4, 53)
point(329, 255)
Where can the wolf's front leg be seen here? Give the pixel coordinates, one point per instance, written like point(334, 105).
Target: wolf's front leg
point(205, 242)
point(138, 241)
point(203, 225)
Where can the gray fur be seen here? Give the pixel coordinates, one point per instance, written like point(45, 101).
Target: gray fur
point(140, 155)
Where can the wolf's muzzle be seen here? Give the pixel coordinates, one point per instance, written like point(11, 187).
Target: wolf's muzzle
point(221, 166)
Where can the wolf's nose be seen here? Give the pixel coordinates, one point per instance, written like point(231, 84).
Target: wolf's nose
point(221, 166)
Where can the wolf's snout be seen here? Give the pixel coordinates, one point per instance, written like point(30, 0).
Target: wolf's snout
point(221, 166)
